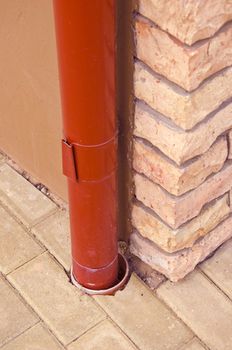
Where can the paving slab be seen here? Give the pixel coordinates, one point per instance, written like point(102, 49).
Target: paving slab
point(219, 268)
point(145, 320)
point(46, 287)
point(16, 247)
point(104, 336)
point(54, 233)
point(204, 308)
point(35, 338)
point(193, 345)
point(15, 316)
point(22, 198)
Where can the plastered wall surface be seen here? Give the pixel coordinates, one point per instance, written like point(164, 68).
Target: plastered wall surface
point(30, 112)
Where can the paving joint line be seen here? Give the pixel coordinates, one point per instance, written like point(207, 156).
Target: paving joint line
point(45, 326)
point(57, 210)
point(21, 333)
point(27, 229)
point(215, 285)
point(176, 316)
point(154, 293)
point(23, 264)
point(14, 215)
point(34, 311)
point(32, 180)
point(115, 323)
point(180, 319)
point(21, 298)
point(85, 332)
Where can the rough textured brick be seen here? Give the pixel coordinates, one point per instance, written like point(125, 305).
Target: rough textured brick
point(177, 144)
point(186, 66)
point(183, 108)
point(204, 308)
point(188, 21)
point(177, 210)
point(151, 162)
point(150, 226)
point(177, 265)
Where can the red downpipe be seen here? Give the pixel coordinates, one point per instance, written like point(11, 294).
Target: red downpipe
point(85, 32)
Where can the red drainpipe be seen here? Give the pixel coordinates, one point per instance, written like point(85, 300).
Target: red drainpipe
point(85, 32)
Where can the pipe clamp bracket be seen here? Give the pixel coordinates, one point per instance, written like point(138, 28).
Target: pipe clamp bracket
point(91, 162)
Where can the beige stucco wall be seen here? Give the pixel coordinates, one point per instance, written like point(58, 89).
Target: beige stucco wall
point(30, 115)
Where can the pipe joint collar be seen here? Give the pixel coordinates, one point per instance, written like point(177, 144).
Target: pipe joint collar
point(89, 162)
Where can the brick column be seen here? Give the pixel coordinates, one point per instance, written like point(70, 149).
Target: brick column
point(182, 137)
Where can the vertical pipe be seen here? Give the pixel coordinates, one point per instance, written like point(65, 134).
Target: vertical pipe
point(85, 32)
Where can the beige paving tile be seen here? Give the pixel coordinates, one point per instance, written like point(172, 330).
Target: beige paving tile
point(146, 321)
point(54, 234)
point(16, 247)
point(206, 310)
point(35, 338)
point(193, 345)
point(105, 336)
point(219, 268)
point(15, 317)
point(22, 198)
point(44, 284)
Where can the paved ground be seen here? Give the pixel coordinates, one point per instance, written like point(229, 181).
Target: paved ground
point(41, 310)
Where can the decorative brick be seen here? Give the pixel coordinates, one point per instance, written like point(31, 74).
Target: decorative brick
point(188, 21)
point(183, 108)
point(177, 265)
point(181, 153)
point(175, 211)
point(151, 162)
point(185, 66)
point(178, 144)
point(150, 226)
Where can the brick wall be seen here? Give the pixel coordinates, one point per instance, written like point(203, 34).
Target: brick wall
point(182, 138)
